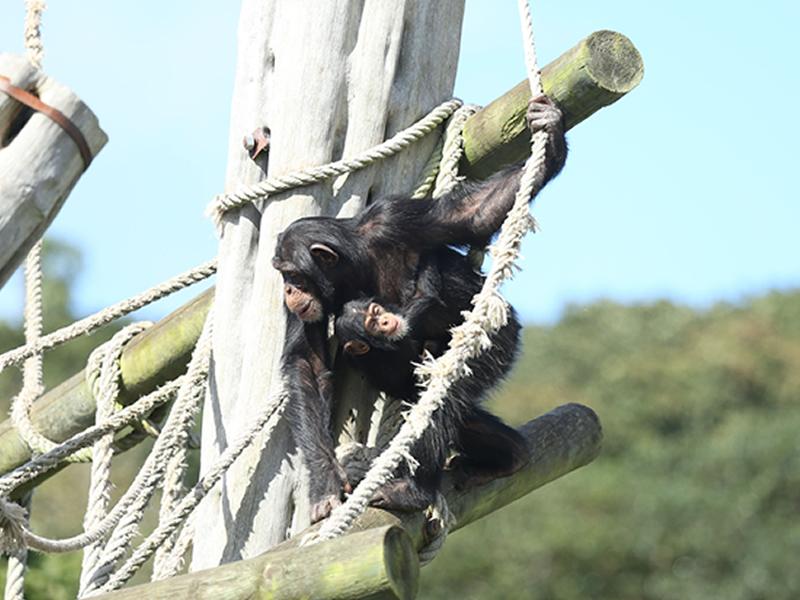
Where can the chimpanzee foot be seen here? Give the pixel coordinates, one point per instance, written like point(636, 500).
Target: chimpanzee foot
point(542, 115)
point(403, 495)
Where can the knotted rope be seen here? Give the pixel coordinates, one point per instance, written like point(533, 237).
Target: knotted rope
point(273, 185)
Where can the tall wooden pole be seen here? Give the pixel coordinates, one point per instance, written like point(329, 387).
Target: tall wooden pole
point(329, 79)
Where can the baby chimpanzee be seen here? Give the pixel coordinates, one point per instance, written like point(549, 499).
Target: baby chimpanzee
point(382, 341)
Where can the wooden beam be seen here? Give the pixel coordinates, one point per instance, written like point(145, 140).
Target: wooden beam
point(560, 441)
point(39, 162)
point(378, 555)
point(152, 358)
point(596, 72)
point(377, 563)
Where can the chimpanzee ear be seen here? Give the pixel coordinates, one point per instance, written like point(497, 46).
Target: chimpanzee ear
point(356, 347)
point(323, 254)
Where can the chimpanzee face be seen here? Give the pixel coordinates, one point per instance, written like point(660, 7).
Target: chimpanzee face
point(309, 267)
point(364, 324)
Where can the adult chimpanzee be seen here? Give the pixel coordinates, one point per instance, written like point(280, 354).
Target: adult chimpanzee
point(382, 340)
point(326, 262)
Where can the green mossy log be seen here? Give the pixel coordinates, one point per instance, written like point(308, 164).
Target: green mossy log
point(596, 72)
point(377, 558)
point(378, 563)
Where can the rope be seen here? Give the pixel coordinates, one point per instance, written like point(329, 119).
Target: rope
point(103, 374)
point(490, 312)
point(181, 418)
point(196, 494)
point(273, 185)
point(33, 372)
point(33, 31)
point(109, 314)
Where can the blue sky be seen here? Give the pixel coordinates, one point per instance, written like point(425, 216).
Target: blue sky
point(684, 189)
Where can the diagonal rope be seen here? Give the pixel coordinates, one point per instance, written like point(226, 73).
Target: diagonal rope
point(273, 185)
point(471, 338)
point(109, 314)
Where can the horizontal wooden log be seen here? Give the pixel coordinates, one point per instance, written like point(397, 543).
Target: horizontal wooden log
point(596, 72)
point(378, 563)
point(379, 554)
point(559, 441)
point(152, 358)
point(69, 408)
point(39, 162)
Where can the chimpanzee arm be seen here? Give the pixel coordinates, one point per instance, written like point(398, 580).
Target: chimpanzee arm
point(305, 367)
point(473, 212)
point(425, 303)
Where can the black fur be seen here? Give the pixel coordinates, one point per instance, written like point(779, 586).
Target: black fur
point(386, 251)
point(487, 447)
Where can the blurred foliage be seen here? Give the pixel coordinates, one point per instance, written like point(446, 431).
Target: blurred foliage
point(695, 495)
point(697, 490)
point(55, 577)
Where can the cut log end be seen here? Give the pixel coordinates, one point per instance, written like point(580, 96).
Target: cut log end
point(613, 62)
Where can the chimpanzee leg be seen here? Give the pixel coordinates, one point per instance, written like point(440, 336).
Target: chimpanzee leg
point(488, 449)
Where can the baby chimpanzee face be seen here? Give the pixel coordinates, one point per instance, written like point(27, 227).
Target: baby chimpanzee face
point(365, 324)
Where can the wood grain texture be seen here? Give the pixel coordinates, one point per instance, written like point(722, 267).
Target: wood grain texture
point(594, 73)
point(380, 562)
point(39, 162)
point(329, 79)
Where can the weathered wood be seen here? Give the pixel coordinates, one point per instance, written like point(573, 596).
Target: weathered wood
point(39, 162)
point(378, 563)
point(379, 554)
point(69, 408)
point(329, 79)
point(152, 358)
point(596, 72)
point(560, 441)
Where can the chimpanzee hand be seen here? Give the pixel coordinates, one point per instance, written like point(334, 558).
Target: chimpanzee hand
point(543, 115)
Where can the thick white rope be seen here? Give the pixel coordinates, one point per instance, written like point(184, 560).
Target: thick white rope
point(33, 373)
point(273, 185)
point(103, 375)
point(180, 420)
point(469, 339)
point(266, 421)
point(109, 314)
point(46, 462)
point(185, 406)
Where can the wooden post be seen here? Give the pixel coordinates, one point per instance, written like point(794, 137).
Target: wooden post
point(329, 79)
point(159, 353)
point(39, 161)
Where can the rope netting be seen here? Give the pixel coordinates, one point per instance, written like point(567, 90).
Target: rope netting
point(109, 532)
